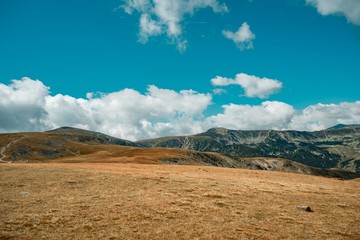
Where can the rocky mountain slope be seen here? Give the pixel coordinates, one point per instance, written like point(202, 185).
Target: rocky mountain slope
point(337, 147)
point(76, 145)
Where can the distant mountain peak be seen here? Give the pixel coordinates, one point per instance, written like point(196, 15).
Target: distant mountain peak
point(218, 130)
point(341, 126)
point(67, 129)
point(64, 128)
point(88, 134)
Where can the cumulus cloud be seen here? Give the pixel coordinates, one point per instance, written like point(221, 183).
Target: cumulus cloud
point(27, 105)
point(130, 114)
point(21, 105)
point(268, 115)
point(158, 17)
point(280, 115)
point(320, 116)
point(349, 8)
point(252, 85)
point(222, 81)
point(243, 37)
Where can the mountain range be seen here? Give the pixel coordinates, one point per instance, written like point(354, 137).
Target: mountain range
point(336, 147)
point(334, 152)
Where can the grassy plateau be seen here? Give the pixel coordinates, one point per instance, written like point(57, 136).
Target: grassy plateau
point(127, 200)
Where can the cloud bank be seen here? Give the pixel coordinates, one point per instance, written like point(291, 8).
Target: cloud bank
point(27, 105)
point(269, 115)
point(252, 85)
point(320, 116)
point(349, 8)
point(159, 17)
point(243, 37)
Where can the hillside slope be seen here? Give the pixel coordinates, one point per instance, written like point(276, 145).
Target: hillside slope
point(332, 148)
point(80, 146)
point(91, 136)
point(51, 144)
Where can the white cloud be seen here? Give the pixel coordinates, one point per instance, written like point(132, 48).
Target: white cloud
point(26, 105)
point(158, 17)
point(252, 85)
point(218, 91)
point(131, 115)
point(279, 115)
point(269, 115)
point(349, 8)
point(21, 105)
point(222, 81)
point(148, 28)
point(243, 37)
point(320, 116)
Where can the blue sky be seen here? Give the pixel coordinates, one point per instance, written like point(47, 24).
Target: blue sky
point(68, 49)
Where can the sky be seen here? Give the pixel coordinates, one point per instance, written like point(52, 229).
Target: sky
point(139, 69)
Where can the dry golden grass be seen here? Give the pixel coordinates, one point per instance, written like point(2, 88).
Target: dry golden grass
point(135, 201)
point(41, 146)
point(98, 153)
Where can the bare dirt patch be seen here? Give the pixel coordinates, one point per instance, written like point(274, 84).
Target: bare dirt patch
point(136, 201)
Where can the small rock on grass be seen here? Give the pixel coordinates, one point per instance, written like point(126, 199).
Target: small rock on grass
point(304, 208)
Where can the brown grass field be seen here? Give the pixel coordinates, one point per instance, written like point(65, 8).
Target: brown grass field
point(157, 201)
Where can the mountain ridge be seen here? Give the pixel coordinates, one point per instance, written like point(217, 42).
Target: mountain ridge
point(329, 148)
point(93, 135)
point(339, 126)
point(215, 147)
